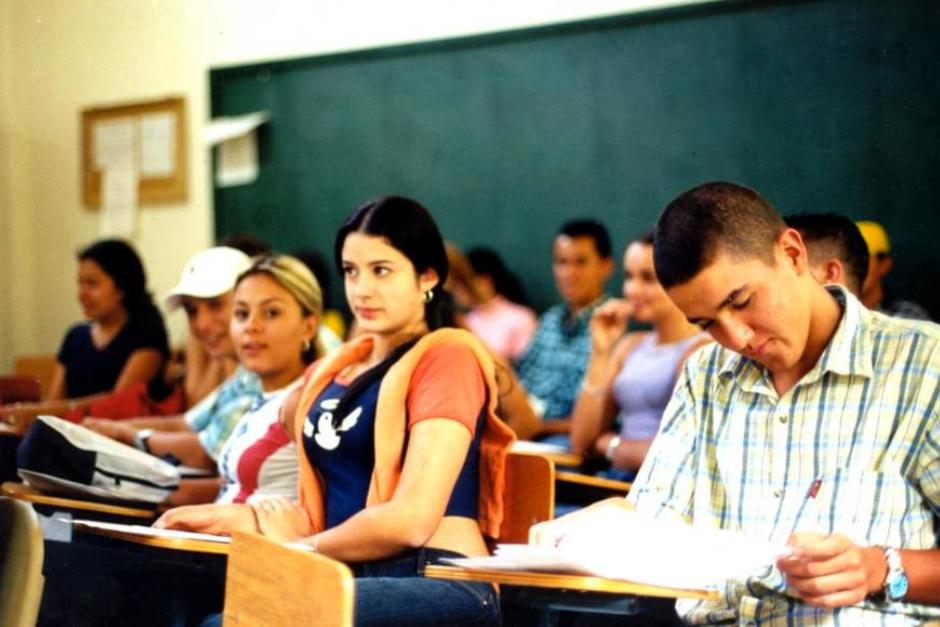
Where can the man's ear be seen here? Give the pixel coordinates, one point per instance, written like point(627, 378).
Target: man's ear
point(834, 272)
point(792, 251)
point(608, 267)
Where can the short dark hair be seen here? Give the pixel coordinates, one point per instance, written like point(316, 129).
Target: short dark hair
point(828, 235)
point(710, 219)
point(408, 228)
point(592, 229)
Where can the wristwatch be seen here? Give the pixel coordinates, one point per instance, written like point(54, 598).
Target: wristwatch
point(612, 445)
point(896, 583)
point(140, 439)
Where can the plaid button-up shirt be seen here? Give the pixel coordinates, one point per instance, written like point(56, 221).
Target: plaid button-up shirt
point(553, 365)
point(863, 422)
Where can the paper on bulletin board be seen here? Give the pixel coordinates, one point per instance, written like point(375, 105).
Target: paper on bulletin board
point(118, 215)
point(237, 141)
point(114, 144)
point(157, 145)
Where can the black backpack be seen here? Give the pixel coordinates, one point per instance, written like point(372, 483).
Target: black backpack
point(58, 456)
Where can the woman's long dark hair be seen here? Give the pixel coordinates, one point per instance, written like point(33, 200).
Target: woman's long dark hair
point(486, 262)
point(120, 262)
point(409, 229)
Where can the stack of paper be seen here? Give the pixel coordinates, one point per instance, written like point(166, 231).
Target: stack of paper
point(628, 546)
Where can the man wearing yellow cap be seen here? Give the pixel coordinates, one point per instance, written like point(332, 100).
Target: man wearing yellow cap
point(879, 265)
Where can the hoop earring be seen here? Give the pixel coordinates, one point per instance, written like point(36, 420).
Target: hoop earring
point(305, 346)
point(428, 296)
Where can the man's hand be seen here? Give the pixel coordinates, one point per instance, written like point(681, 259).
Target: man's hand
point(831, 570)
point(552, 532)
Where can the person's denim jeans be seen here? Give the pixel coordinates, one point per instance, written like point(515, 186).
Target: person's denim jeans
point(394, 592)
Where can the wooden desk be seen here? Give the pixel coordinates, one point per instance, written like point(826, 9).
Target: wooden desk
point(14, 430)
point(549, 594)
point(176, 544)
point(579, 583)
point(560, 458)
point(592, 481)
point(24, 492)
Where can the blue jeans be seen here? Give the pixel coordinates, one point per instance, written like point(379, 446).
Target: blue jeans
point(393, 591)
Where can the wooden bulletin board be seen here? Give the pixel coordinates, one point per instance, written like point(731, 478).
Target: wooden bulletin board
point(156, 131)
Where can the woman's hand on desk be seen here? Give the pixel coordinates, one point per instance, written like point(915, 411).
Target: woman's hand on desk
point(216, 519)
point(113, 429)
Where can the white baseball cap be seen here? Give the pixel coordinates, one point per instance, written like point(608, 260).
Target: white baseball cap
point(208, 273)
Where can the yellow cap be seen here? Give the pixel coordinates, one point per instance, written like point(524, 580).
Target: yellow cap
point(875, 236)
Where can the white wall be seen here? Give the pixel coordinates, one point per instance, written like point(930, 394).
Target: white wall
point(60, 56)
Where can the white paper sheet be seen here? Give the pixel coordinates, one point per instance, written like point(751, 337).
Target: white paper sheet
point(118, 215)
point(150, 532)
point(113, 145)
point(157, 145)
point(153, 532)
point(226, 128)
point(238, 161)
point(628, 546)
point(528, 446)
point(237, 141)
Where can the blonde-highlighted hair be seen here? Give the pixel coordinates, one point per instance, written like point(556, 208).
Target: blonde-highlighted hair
point(296, 278)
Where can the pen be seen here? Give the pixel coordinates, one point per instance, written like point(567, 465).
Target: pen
point(809, 498)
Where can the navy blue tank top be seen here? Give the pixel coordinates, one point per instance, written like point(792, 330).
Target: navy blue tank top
point(342, 449)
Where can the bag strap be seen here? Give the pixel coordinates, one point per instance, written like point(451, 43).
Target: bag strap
point(366, 379)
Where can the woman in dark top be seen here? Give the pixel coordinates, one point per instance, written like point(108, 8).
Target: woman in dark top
point(401, 454)
point(123, 341)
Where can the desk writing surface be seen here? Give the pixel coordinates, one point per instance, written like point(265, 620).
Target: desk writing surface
point(148, 536)
point(558, 454)
point(593, 481)
point(564, 581)
point(12, 429)
point(24, 492)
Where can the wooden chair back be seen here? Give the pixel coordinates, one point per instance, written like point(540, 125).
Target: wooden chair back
point(19, 388)
point(21, 555)
point(267, 583)
point(41, 367)
point(529, 496)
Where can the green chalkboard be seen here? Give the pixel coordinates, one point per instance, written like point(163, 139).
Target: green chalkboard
point(821, 106)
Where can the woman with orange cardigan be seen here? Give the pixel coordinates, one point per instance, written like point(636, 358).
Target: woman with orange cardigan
point(403, 456)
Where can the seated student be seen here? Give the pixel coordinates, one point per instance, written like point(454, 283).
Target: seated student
point(403, 455)
point(123, 343)
point(553, 364)
point(805, 395)
point(196, 437)
point(837, 252)
point(277, 303)
point(499, 315)
point(204, 292)
point(880, 263)
point(631, 377)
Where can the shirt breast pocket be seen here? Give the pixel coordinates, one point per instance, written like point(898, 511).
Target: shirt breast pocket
point(866, 505)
